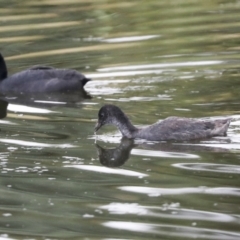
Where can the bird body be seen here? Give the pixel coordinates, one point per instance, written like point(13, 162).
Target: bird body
point(41, 79)
point(172, 128)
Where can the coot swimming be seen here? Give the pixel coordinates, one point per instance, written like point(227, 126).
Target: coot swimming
point(172, 128)
point(41, 79)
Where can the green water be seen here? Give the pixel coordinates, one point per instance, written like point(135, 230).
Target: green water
point(153, 59)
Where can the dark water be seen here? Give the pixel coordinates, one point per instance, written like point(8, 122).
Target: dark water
point(153, 59)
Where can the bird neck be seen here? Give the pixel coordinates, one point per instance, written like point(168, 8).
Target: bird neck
point(3, 68)
point(125, 126)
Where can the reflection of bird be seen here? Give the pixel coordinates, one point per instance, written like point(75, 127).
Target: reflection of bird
point(117, 156)
point(172, 128)
point(3, 108)
point(41, 79)
point(47, 100)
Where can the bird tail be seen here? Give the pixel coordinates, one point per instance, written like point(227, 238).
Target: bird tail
point(85, 80)
point(221, 127)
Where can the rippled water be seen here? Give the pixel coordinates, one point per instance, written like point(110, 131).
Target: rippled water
point(153, 59)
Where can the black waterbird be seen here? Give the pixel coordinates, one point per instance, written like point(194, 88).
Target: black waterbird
point(172, 128)
point(41, 79)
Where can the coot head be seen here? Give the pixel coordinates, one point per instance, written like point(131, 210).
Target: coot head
point(108, 114)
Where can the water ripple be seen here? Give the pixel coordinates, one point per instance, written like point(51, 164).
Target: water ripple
point(156, 192)
point(145, 69)
point(163, 154)
point(107, 170)
point(209, 167)
point(124, 73)
point(36, 144)
point(26, 109)
point(130, 39)
point(170, 230)
point(160, 65)
point(172, 211)
point(142, 99)
point(232, 146)
point(7, 122)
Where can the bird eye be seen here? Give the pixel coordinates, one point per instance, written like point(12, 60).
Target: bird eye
point(101, 115)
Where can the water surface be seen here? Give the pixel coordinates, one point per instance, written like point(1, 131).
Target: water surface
point(153, 59)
